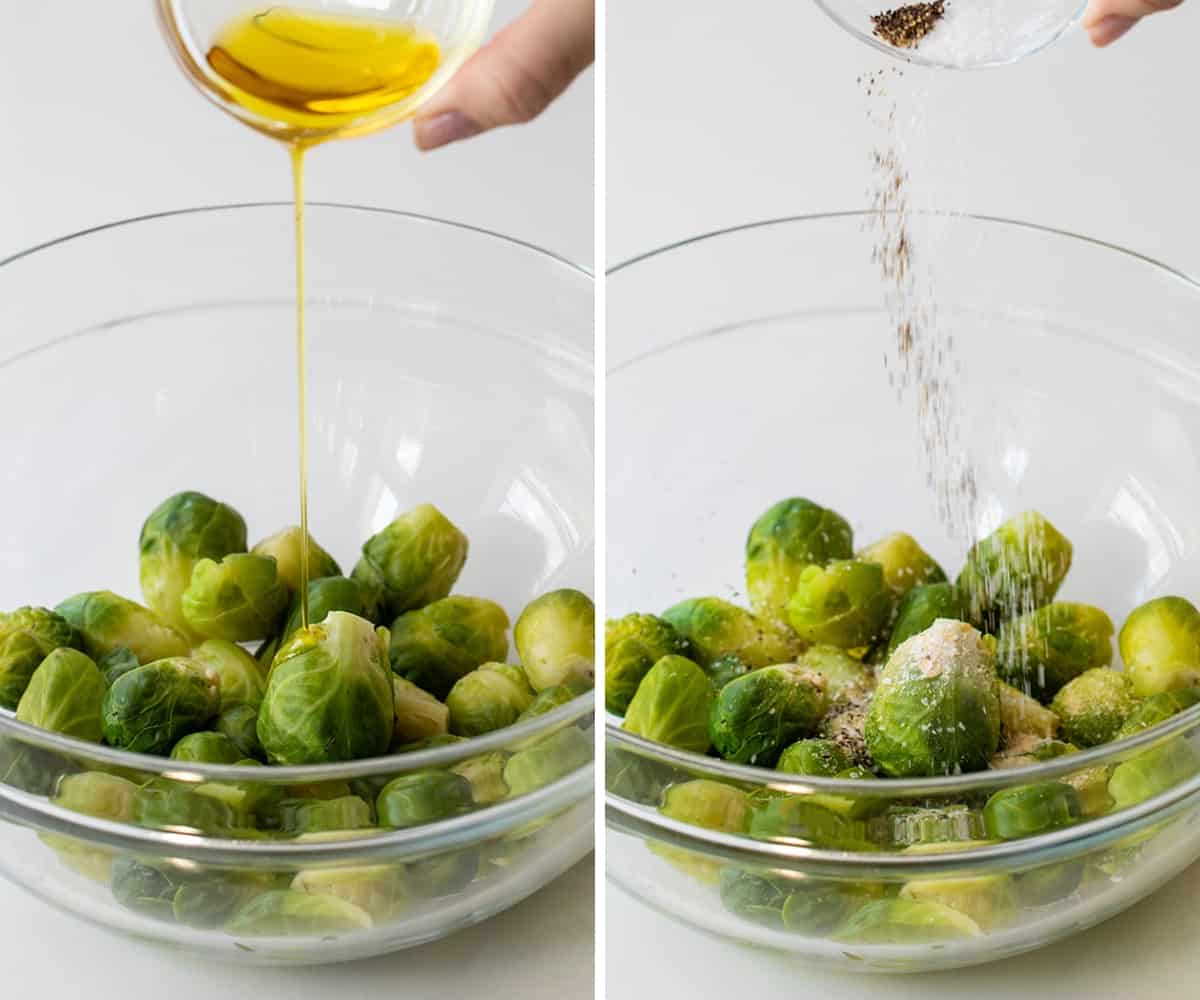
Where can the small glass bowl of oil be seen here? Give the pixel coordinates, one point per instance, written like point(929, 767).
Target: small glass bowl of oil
point(310, 70)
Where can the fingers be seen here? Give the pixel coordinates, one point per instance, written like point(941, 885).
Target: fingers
point(1107, 20)
point(514, 77)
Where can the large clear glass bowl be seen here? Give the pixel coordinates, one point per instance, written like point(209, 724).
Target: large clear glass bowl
point(747, 366)
point(446, 364)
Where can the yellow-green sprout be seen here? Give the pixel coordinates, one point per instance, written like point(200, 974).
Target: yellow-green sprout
point(1021, 716)
point(906, 921)
point(108, 622)
point(710, 804)
point(1040, 652)
point(290, 912)
point(1094, 706)
point(845, 604)
point(239, 598)
point(755, 716)
point(285, 548)
point(905, 564)
point(65, 696)
point(1160, 644)
point(27, 636)
point(418, 715)
point(374, 889)
point(488, 698)
point(715, 628)
point(632, 645)
point(555, 638)
point(671, 705)
point(239, 676)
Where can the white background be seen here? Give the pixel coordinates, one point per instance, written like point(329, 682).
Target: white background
point(719, 115)
point(99, 125)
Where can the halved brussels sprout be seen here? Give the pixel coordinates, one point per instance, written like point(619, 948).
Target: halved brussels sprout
point(632, 645)
point(239, 676)
point(239, 598)
point(1040, 652)
point(788, 538)
point(423, 797)
point(291, 913)
point(754, 717)
point(845, 604)
point(181, 808)
point(989, 900)
point(936, 708)
point(488, 698)
point(671, 705)
point(817, 757)
point(551, 758)
point(285, 547)
point(555, 638)
point(108, 622)
point(95, 793)
point(486, 775)
point(906, 921)
point(1027, 810)
point(329, 697)
point(1021, 715)
point(1153, 772)
point(148, 710)
point(1157, 709)
point(920, 608)
point(1094, 706)
point(715, 628)
point(240, 725)
point(444, 641)
point(65, 696)
point(1160, 644)
point(207, 748)
point(374, 889)
point(27, 636)
point(417, 714)
point(181, 531)
point(710, 804)
point(842, 677)
point(905, 564)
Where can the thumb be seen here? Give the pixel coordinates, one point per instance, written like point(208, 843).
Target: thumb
point(514, 77)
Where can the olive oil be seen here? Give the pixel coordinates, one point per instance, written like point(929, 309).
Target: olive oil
point(313, 76)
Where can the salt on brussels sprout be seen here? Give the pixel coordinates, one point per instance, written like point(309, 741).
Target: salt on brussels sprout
point(329, 696)
point(239, 676)
point(412, 562)
point(292, 913)
point(842, 677)
point(486, 775)
point(65, 696)
point(95, 793)
point(845, 603)
point(846, 725)
point(417, 714)
point(285, 547)
point(1016, 569)
point(1021, 715)
point(920, 608)
point(240, 725)
point(906, 921)
point(555, 637)
point(989, 900)
point(710, 804)
point(715, 628)
point(672, 705)
point(442, 642)
point(113, 665)
point(632, 645)
point(1151, 773)
point(905, 564)
point(936, 709)
point(181, 531)
point(488, 698)
point(179, 807)
point(423, 797)
point(552, 757)
point(108, 622)
point(374, 889)
point(1160, 644)
point(1027, 810)
point(789, 537)
point(27, 636)
point(300, 816)
point(720, 672)
point(1040, 652)
point(239, 598)
point(815, 757)
point(148, 710)
point(754, 717)
point(330, 593)
point(1094, 706)
point(207, 748)
point(1158, 708)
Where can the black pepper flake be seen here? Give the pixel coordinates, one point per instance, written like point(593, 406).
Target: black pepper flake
point(905, 26)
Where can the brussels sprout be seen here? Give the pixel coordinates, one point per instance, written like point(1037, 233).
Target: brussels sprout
point(555, 638)
point(846, 725)
point(936, 709)
point(632, 645)
point(239, 676)
point(756, 716)
point(920, 608)
point(1094, 706)
point(1153, 772)
point(290, 913)
point(486, 775)
point(1018, 568)
point(65, 695)
point(180, 532)
point(181, 808)
point(798, 819)
point(240, 725)
point(989, 900)
point(720, 672)
point(423, 797)
point(710, 804)
point(209, 902)
point(905, 564)
point(412, 562)
point(32, 769)
point(555, 697)
point(844, 604)
point(285, 548)
point(1027, 810)
point(142, 888)
point(1160, 644)
point(637, 778)
point(417, 714)
point(840, 675)
point(549, 759)
point(113, 665)
point(1041, 651)
point(1158, 708)
point(488, 698)
point(852, 806)
point(788, 538)
point(108, 621)
point(438, 644)
point(1091, 784)
point(49, 626)
point(441, 875)
point(239, 598)
point(816, 757)
point(329, 696)
point(207, 748)
point(758, 899)
point(148, 710)
point(1021, 715)
point(330, 593)
point(714, 628)
point(27, 637)
point(804, 904)
point(300, 816)
point(374, 889)
point(95, 793)
point(906, 921)
point(672, 705)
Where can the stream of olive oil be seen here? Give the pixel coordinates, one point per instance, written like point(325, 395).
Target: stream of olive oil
point(317, 75)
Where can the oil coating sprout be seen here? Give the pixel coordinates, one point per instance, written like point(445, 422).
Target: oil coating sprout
point(788, 538)
point(936, 709)
point(843, 677)
point(551, 758)
point(906, 921)
point(239, 598)
point(845, 604)
point(285, 547)
point(65, 695)
point(754, 717)
point(632, 645)
point(423, 797)
point(488, 698)
point(412, 562)
point(1160, 644)
point(920, 608)
point(715, 628)
point(108, 622)
point(27, 636)
point(417, 715)
point(442, 642)
point(207, 748)
point(1021, 716)
point(1094, 706)
point(710, 804)
point(1042, 651)
point(1157, 709)
point(239, 677)
point(905, 564)
point(816, 757)
point(555, 637)
point(671, 705)
point(148, 710)
point(181, 531)
point(1018, 568)
point(330, 593)
point(329, 696)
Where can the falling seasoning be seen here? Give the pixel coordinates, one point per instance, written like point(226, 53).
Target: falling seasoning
point(905, 26)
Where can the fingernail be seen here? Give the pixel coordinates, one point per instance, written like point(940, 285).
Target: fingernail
point(443, 129)
point(1108, 29)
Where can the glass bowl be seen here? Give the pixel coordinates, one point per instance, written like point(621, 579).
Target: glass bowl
point(747, 366)
point(446, 364)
